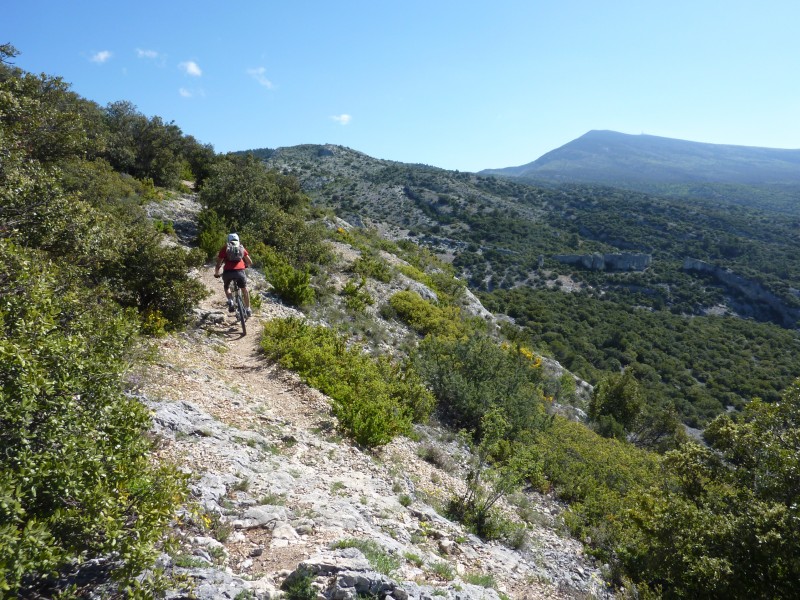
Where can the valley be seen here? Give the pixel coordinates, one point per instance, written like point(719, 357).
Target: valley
point(507, 240)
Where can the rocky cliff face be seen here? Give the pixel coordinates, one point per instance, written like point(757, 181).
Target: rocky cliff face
point(761, 303)
point(625, 261)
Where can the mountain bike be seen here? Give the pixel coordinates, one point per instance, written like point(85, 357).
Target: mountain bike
point(238, 304)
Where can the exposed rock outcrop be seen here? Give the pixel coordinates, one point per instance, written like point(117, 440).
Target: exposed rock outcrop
point(762, 304)
point(625, 261)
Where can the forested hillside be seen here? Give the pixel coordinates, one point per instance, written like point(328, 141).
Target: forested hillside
point(503, 238)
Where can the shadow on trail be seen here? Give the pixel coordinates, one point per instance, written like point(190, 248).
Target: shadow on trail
point(223, 330)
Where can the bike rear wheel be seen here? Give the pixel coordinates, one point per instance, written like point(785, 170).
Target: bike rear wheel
point(241, 312)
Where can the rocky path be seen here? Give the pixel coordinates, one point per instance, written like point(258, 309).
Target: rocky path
point(275, 488)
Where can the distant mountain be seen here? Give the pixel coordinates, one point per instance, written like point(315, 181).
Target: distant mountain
point(608, 156)
point(766, 177)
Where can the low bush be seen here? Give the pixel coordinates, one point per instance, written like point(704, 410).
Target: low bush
point(370, 264)
point(473, 375)
point(298, 586)
point(378, 558)
point(212, 232)
point(374, 399)
point(292, 285)
point(356, 298)
point(426, 318)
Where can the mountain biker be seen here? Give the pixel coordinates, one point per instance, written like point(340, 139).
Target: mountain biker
point(236, 259)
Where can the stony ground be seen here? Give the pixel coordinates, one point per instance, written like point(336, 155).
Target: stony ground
point(275, 488)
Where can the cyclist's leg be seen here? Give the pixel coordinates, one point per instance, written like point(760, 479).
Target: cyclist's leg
point(245, 291)
point(227, 277)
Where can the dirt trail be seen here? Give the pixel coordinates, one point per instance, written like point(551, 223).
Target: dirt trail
point(243, 365)
point(258, 424)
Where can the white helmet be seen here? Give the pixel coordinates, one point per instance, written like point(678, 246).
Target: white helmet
point(233, 237)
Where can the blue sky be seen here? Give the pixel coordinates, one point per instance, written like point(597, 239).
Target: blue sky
point(456, 84)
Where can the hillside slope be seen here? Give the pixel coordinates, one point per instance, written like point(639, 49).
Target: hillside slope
point(277, 488)
point(679, 263)
point(610, 157)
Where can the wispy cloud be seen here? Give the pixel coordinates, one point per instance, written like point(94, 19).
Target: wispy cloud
point(342, 119)
point(146, 53)
point(191, 68)
point(185, 93)
point(101, 57)
point(259, 75)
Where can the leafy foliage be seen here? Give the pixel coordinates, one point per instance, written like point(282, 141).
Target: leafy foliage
point(723, 525)
point(712, 522)
point(425, 317)
point(618, 409)
point(262, 206)
point(54, 199)
point(292, 285)
point(497, 469)
point(373, 399)
point(378, 558)
point(76, 481)
point(298, 586)
point(212, 232)
point(472, 376)
point(83, 272)
point(370, 264)
point(356, 298)
point(149, 148)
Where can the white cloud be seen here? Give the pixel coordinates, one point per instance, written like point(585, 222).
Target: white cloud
point(191, 68)
point(342, 119)
point(101, 57)
point(185, 93)
point(146, 53)
point(258, 75)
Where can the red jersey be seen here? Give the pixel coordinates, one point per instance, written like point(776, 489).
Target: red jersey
point(232, 265)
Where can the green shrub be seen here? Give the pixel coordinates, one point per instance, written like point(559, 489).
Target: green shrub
point(374, 399)
point(497, 468)
point(426, 318)
point(443, 570)
point(263, 206)
point(152, 277)
point(722, 521)
point(292, 285)
point(370, 264)
point(356, 298)
point(154, 323)
point(482, 579)
point(473, 375)
point(414, 273)
point(298, 586)
point(580, 463)
point(76, 478)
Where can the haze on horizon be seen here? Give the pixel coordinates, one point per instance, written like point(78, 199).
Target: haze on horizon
point(458, 85)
